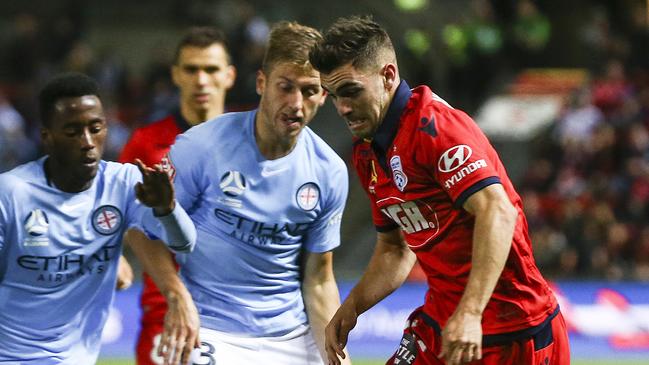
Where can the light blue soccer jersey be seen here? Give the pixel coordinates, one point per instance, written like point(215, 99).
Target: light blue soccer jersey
point(253, 217)
point(58, 261)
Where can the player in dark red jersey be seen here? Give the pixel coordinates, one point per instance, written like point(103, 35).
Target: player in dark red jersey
point(438, 189)
point(203, 73)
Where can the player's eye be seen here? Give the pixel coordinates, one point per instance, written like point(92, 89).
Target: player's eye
point(350, 93)
point(311, 91)
point(285, 86)
point(211, 69)
point(70, 131)
point(190, 69)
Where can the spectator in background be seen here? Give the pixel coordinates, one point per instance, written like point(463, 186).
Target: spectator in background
point(531, 33)
point(15, 147)
point(203, 72)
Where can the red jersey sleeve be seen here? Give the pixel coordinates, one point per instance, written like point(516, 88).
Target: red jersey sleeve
point(132, 149)
point(463, 162)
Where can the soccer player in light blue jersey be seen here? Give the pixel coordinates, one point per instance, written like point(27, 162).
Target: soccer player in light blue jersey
point(267, 197)
point(61, 223)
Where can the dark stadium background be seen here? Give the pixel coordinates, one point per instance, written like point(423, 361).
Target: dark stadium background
point(561, 87)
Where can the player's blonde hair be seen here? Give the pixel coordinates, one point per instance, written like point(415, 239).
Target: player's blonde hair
point(290, 42)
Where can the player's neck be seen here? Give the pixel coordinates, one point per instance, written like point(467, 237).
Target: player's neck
point(58, 177)
point(195, 117)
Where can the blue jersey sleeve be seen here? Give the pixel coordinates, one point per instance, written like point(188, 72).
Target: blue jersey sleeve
point(176, 229)
point(324, 234)
point(184, 165)
point(5, 209)
point(135, 210)
point(3, 224)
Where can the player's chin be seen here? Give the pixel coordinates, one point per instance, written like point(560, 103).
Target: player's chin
point(87, 171)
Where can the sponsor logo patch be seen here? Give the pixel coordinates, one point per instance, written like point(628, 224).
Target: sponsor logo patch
point(106, 220)
point(36, 227)
point(233, 183)
point(454, 157)
point(307, 196)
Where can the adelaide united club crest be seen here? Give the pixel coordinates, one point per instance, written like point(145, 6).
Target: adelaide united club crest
point(399, 177)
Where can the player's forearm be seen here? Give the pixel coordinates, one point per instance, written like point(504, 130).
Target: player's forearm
point(388, 269)
point(321, 299)
point(492, 240)
point(156, 261)
point(179, 230)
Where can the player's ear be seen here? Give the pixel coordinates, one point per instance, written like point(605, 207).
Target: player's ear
point(175, 74)
point(389, 74)
point(231, 75)
point(46, 138)
point(261, 82)
point(324, 97)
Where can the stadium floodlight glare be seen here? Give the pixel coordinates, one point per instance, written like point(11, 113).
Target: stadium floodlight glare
point(410, 5)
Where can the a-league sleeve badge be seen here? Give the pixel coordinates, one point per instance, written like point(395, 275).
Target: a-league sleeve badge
point(308, 196)
point(106, 220)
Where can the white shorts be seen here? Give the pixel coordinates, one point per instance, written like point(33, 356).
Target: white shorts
point(295, 348)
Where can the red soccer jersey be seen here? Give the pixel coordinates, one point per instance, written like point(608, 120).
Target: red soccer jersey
point(424, 162)
point(150, 144)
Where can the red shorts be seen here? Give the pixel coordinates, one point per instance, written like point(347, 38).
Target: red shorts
point(545, 344)
point(147, 344)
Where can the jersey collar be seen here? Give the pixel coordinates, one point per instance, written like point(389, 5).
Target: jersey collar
point(181, 122)
point(388, 129)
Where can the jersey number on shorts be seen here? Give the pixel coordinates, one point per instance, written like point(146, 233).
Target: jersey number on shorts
point(206, 356)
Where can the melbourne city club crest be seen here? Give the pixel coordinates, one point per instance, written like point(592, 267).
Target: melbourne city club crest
point(307, 196)
point(106, 219)
point(400, 179)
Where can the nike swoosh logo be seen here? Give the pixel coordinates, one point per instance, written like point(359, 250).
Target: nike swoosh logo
point(268, 173)
point(66, 208)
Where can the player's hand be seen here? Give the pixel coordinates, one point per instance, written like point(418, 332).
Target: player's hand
point(180, 335)
point(124, 274)
point(155, 190)
point(337, 331)
point(462, 338)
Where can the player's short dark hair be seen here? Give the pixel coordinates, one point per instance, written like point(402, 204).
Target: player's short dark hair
point(289, 42)
point(202, 37)
point(66, 85)
point(358, 40)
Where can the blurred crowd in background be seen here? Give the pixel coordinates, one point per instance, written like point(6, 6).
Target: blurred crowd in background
point(585, 190)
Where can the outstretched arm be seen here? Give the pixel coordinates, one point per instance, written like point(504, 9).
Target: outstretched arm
point(157, 191)
point(321, 296)
point(495, 219)
point(181, 324)
point(388, 269)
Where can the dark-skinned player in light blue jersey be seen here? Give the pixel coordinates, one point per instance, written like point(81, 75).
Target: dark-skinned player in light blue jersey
point(62, 218)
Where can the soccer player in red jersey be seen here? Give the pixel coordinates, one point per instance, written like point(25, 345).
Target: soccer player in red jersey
point(440, 195)
point(203, 73)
